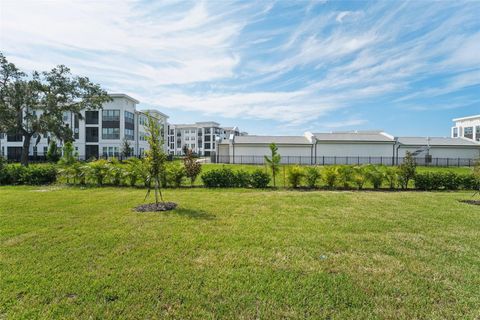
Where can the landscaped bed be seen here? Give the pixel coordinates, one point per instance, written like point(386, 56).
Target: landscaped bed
point(69, 252)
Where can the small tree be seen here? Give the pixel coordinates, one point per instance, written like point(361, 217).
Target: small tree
point(126, 149)
point(155, 158)
point(192, 166)
point(69, 156)
point(274, 161)
point(407, 170)
point(53, 154)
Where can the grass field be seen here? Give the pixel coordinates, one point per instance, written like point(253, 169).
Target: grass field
point(244, 254)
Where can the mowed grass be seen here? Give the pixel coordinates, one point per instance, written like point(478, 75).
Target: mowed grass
point(244, 254)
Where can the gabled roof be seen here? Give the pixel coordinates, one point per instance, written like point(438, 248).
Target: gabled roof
point(272, 139)
point(437, 141)
point(354, 136)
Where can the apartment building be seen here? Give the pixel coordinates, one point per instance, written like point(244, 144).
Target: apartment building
point(467, 127)
point(101, 133)
point(200, 137)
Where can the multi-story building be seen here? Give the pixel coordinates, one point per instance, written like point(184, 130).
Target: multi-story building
point(467, 127)
point(200, 137)
point(101, 133)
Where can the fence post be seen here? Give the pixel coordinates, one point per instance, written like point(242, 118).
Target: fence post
point(458, 162)
point(334, 159)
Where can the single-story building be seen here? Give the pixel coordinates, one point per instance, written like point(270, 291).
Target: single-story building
point(252, 149)
point(441, 150)
point(352, 147)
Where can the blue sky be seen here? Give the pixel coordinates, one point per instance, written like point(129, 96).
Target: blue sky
point(270, 67)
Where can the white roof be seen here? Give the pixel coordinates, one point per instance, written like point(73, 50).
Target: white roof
point(437, 141)
point(467, 118)
point(123, 95)
point(271, 139)
point(354, 136)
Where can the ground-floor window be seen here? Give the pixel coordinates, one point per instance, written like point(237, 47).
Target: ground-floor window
point(110, 152)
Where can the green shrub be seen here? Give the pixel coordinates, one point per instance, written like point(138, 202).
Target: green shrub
point(330, 176)
point(360, 176)
point(312, 176)
point(439, 181)
point(53, 153)
point(115, 172)
point(391, 176)
point(38, 175)
point(375, 175)
point(407, 170)
point(242, 179)
point(345, 175)
point(12, 174)
point(260, 179)
point(133, 167)
point(176, 173)
point(295, 176)
point(219, 178)
point(98, 171)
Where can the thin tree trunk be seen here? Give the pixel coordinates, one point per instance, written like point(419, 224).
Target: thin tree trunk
point(156, 192)
point(25, 149)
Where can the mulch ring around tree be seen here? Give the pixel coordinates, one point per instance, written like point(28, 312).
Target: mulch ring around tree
point(473, 202)
point(153, 207)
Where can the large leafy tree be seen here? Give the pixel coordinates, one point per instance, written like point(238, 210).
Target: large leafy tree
point(35, 105)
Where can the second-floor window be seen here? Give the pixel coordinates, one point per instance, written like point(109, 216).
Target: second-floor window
point(468, 132)
point(129, 135)
point(111, 115)
point(110, 133)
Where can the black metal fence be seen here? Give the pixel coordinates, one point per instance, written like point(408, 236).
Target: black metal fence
point(350, 160)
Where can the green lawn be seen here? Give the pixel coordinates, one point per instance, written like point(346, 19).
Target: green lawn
point(223, 254)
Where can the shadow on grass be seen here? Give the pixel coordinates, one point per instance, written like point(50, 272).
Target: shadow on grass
point(190, 213)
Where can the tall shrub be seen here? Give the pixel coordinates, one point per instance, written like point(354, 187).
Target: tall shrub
point(407, 170)
point(260, 179)
point(330, 176)
point(375, 176)
point(133, 170)
point(295, 176)
point(345, 175)
point(391, 176)
point(53, 154)
point(192, 166)
point(274, 161)
point(312, 176)
point(98, 171)
point(176, 173)
point(360, 176)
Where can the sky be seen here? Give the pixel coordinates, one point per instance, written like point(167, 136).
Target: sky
point(268, 67)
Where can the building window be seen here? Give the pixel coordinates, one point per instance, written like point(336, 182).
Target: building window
point(45, 151)
point(477, 133)
point(143, 120)
point(111, 115)
point(91, 117)
point(65, 116)
point(468, 132)
point(207, 145)
point(129, 135)
point(2, 136)
point(91, 134)
point(455, 132)
point(111, 133)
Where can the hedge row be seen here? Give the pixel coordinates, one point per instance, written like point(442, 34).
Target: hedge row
point(228, 178)
point(13, 174)
point(445, 181)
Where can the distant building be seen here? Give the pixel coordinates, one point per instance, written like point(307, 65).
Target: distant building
point(99, 134)
point(467, 127)
point(200, 137)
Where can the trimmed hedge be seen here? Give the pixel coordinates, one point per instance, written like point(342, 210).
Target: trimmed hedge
point(445, 181)
point(12, 174)
point(228, 178)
